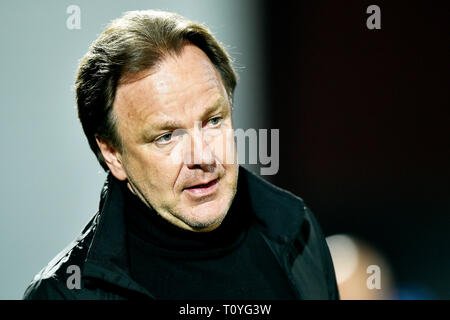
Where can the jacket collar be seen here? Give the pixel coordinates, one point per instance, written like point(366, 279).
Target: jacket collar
point(107, 257)
point(278, 213)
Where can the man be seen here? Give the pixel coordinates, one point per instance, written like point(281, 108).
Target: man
point(154, 96)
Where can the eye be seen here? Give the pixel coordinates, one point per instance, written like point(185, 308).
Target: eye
point(164, 139)
point(216, 121)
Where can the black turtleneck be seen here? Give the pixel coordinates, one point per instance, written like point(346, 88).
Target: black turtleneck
point(229, 262)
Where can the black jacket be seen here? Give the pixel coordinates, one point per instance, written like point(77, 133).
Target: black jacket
point(285, 223)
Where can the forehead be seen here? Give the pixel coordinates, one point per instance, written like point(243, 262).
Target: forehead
point(177, 86)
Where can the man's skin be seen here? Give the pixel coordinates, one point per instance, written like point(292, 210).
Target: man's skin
point(175, 111)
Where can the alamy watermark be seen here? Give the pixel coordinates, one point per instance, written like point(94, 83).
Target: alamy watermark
point(250, 146)
point(374, 280)
point(74, 279)
point(73, 21)
point(374, 20)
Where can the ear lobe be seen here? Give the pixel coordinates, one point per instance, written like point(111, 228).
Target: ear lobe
point(112, 159)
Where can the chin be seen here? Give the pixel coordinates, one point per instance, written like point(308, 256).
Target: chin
point(206, 215)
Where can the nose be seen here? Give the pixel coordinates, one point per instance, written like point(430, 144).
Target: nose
point(198, 153)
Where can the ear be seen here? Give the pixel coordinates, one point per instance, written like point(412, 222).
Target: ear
point(112, 159)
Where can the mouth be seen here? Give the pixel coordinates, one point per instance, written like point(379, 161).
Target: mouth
point(202, 190)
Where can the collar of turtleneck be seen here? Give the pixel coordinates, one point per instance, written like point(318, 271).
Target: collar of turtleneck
point(146, 225)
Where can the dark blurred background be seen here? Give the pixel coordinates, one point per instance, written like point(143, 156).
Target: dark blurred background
point(364, 126)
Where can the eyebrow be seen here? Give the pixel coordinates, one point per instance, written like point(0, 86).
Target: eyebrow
point(219, 104)
point(172, 124)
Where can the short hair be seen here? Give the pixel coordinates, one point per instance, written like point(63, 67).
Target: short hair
point(135, 42)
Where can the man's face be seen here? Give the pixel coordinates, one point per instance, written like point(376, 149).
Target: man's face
point(175, 121)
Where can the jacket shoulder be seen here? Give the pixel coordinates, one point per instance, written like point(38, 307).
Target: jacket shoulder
point(287, 217)
point(312, 238)
point(279, 210)
point(44, 289)
point(51, 281)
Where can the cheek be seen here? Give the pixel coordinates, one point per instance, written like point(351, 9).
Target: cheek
point(162, 172)
point(165, 174)
point(156, 173)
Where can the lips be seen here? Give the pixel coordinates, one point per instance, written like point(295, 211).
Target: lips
point(202, 189)
point(203, 185)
